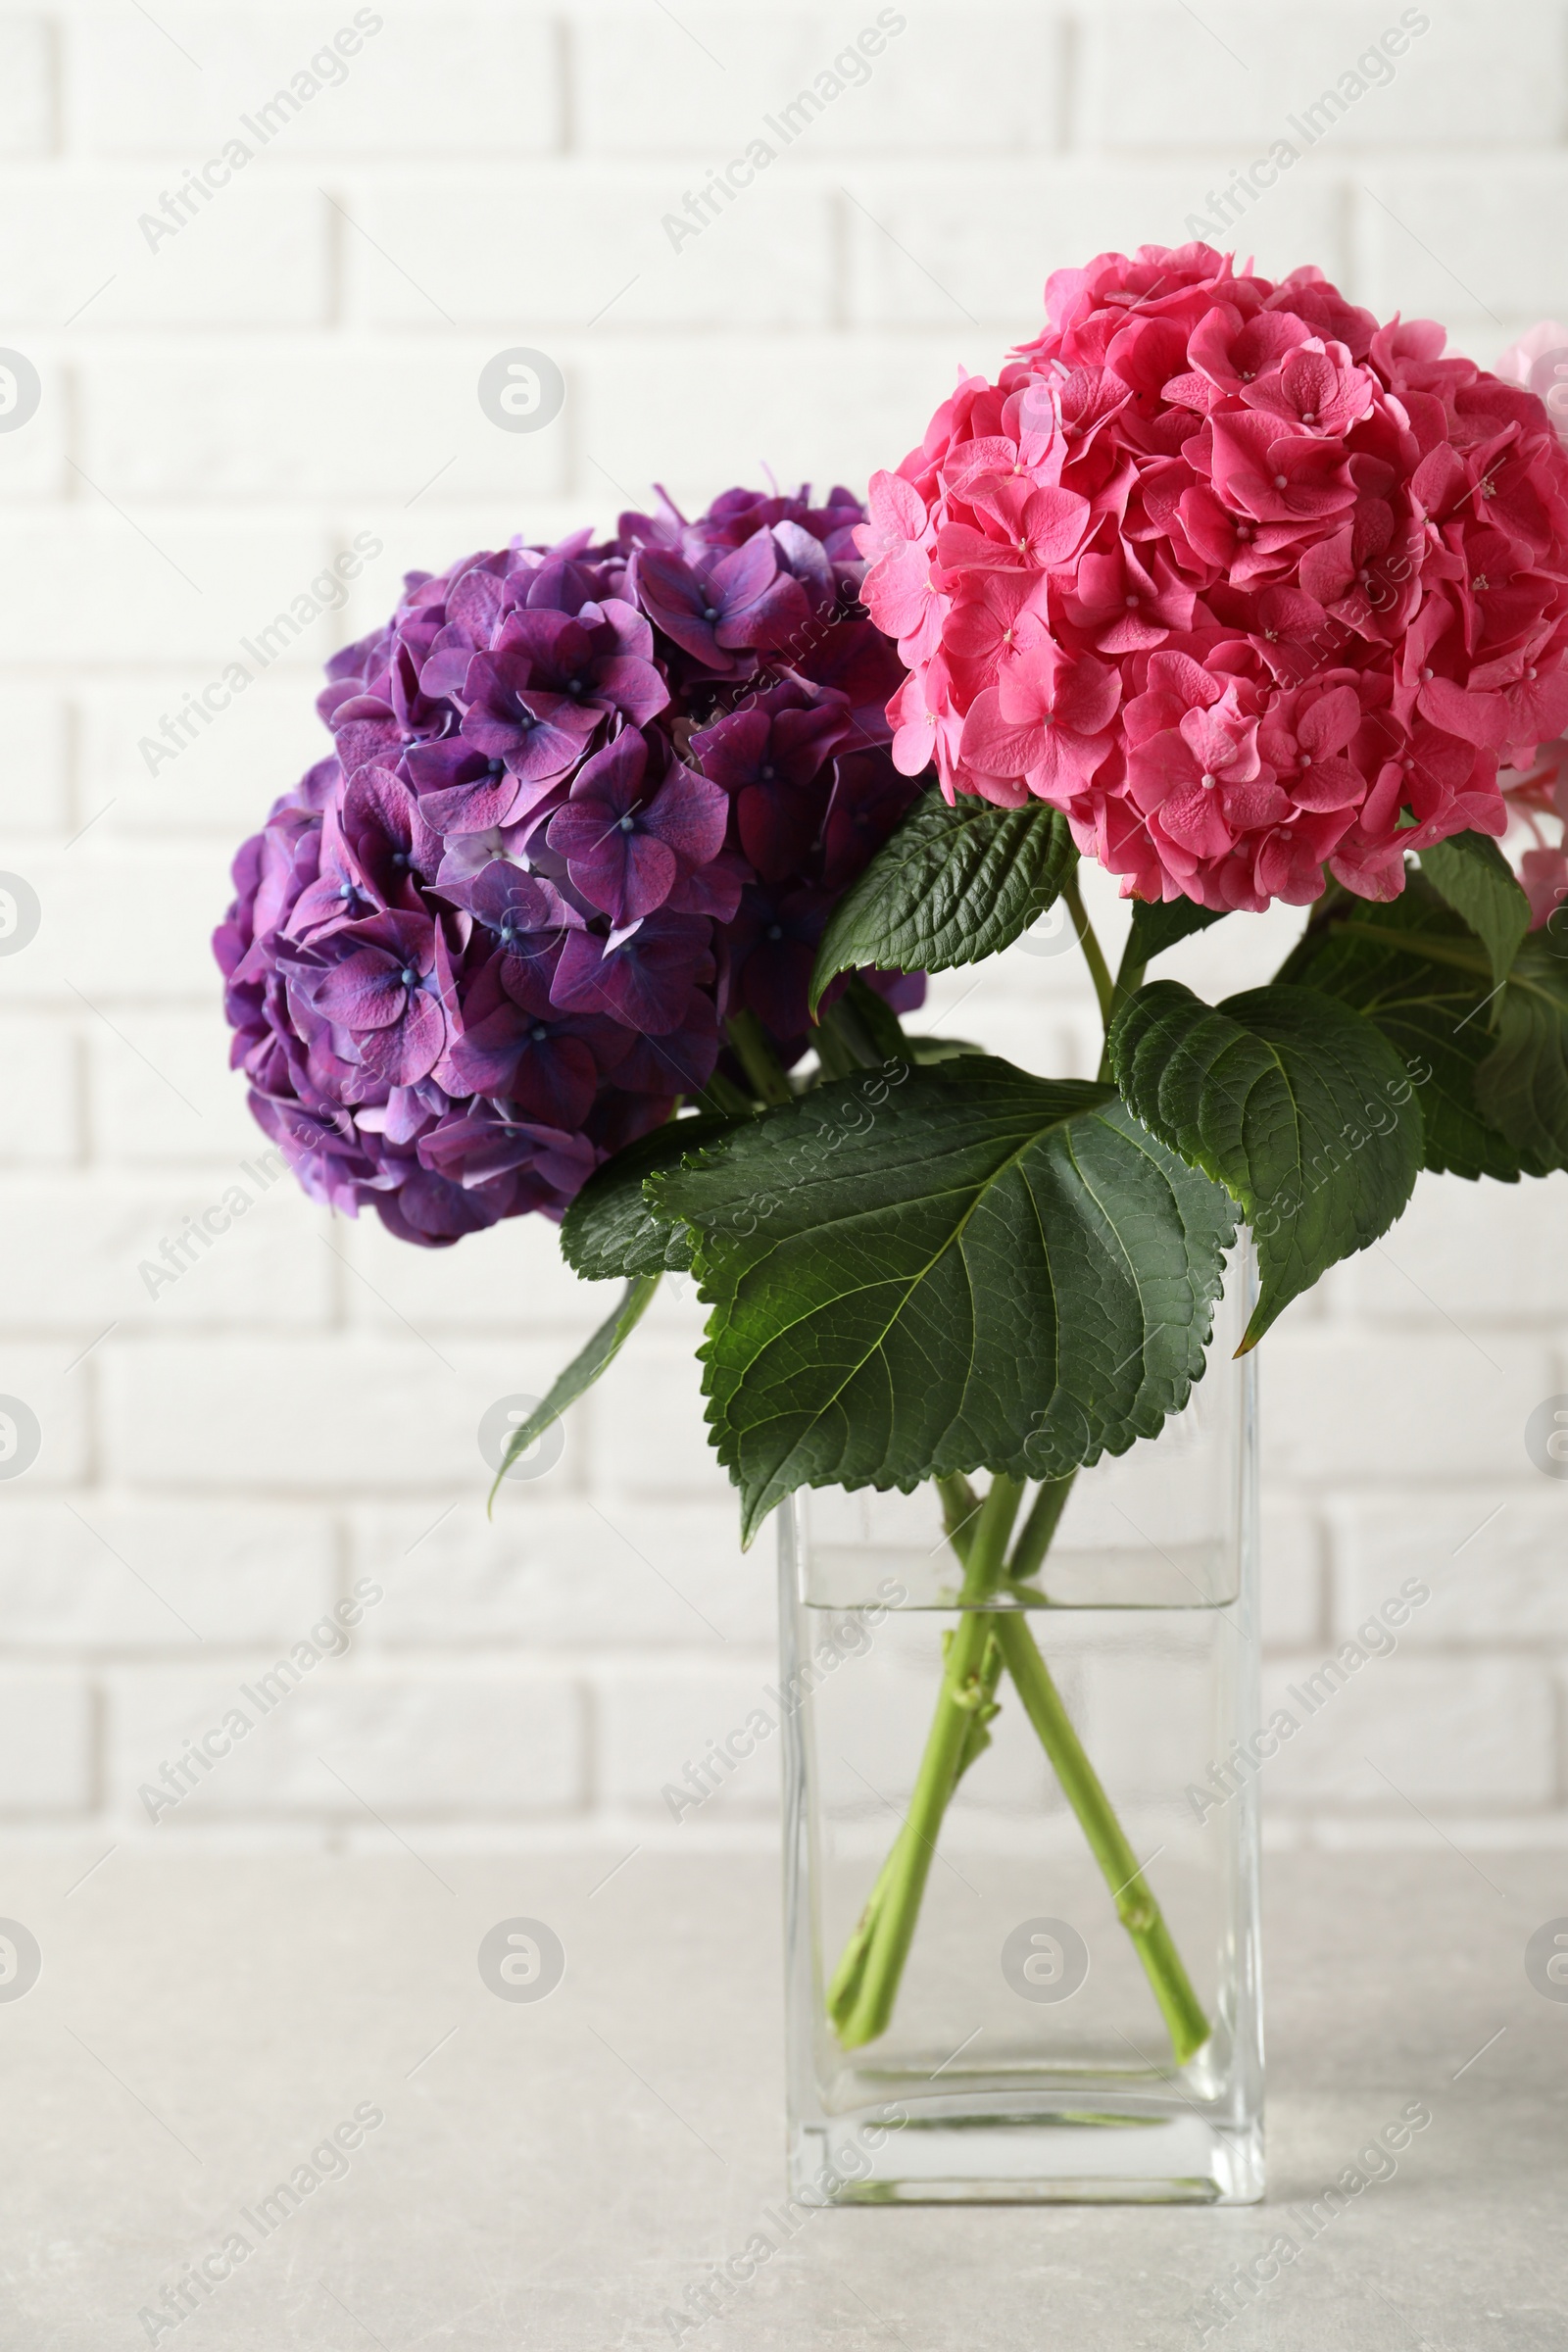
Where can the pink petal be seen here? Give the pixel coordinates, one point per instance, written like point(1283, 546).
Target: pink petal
point(1478, 718)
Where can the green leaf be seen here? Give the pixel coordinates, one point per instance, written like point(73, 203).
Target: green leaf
point(1299, 1106)
point(611, 1227)
point(1161, 924)
point(1415, 969)
point(581, 1373)
point(949, 886)
point(961, 1267)
point(1471, 873)
point(1522, 1087)
point(929, 1049)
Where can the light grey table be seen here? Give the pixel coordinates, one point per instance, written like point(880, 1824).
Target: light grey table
point(557, 2174)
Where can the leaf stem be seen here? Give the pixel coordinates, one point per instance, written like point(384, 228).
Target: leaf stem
point(1094, 953)
point(838, 1058)
point(862, 1995)
point(1424, 943)
point(1129, 975)
point(1035, 1536)
point(845, 1037)
point(1136, 1907)
point(757, 1058)
point(865, 1985)
point(721, 1094)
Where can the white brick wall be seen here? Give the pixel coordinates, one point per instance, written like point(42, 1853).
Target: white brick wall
point(221, 1464)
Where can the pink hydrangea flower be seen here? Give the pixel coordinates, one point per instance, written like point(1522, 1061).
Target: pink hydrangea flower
point(1247, 585)
point(1540, 361)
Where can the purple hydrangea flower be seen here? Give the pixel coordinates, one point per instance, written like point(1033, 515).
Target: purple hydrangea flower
point(714, 608)
point(774, 759)
point(583, 803)
point(629, 837)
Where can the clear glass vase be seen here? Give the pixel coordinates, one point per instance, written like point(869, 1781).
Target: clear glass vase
point(1053, 2035)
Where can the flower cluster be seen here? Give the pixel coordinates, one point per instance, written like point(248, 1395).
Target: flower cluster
point(1538, 794)
point(584, 802)
point(1242, 581)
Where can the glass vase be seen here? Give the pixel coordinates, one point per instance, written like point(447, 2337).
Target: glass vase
point(1049, 2034)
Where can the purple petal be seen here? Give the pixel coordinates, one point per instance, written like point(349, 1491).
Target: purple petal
point(556, 1080)
point(679, 1060)
point(732, 749)
point(806, 560)
point(613, 779)
point(631, 632)
point(780, 616)
point(861, 664)
point(446, 669)
point(670, 594)
point(475, 603)
point(645, 983)
point(691, 815)
point(361, 741)
point(714, 889)
point(364, 992)
point(626, 875)
point(482, 1059)
point(635, 688)
point(428, 1208)
point(542, 639)
point(582, 828)
point(778, 824)
point(410, 1049)
point(471, 808)
point(557, 738)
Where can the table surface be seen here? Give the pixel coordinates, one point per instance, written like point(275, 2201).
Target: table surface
point(557, 2174)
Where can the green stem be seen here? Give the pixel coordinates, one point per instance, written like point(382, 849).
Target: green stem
point(862, 1993)
point(1140, 1914)
point(757, 1058)
point(1439, 949)
point(1136, 1906)
point(960, 1516)
point(1039, 1529)
point(960, 1509)
point(838, 1059)
point(879, 1025)
point(721, 1094)
point(1129, 976)
point(1094, 953)
point(858, 1031)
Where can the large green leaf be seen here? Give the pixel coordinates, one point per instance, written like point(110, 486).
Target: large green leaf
point(1471, 873)
point(1298, 1105)
point(611, 1227)
point(1159, 924)
point(949, 886)
point(582, 1371)
point(1415, 969)
point(1522, 1087)
point(970, 1268)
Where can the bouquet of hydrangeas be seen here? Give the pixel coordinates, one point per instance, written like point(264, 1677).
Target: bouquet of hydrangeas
point(1223, 585)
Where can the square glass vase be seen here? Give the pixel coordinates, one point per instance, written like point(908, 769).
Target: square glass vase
point(1030, 2053)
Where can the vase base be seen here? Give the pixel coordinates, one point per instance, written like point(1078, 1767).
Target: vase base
point(1050, 2158)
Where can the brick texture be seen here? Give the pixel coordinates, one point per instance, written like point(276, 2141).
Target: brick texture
point(240, 375)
